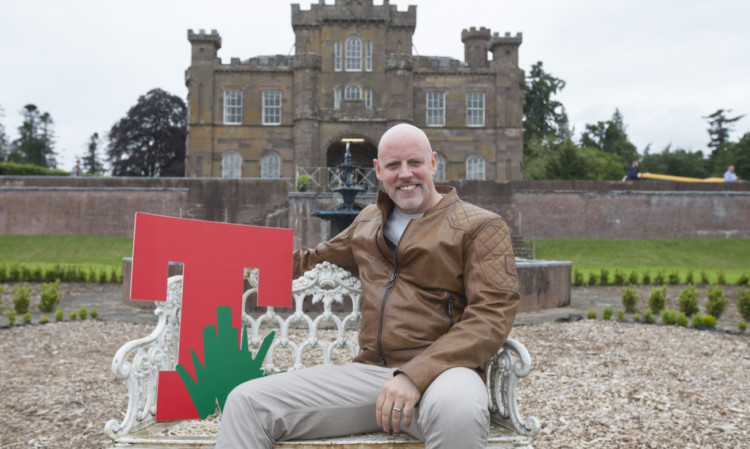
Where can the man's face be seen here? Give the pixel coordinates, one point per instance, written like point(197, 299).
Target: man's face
point(406, 165)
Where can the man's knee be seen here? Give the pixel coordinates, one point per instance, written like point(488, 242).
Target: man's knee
point(457, 397)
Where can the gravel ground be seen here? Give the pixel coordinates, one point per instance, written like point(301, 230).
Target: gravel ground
point(593, 383)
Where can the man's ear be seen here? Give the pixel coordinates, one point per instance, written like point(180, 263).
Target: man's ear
point(376, 165)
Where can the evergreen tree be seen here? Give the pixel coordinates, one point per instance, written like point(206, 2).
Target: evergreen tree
point(610, 137)
point(91, 163)
point(676, 163)
point(544, 117)
point(36, 141)
point(719, 129)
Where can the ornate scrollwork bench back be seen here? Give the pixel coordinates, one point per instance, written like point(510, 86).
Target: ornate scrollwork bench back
point(329, 334)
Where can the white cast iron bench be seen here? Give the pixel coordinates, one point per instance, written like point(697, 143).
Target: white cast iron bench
point(320, 329)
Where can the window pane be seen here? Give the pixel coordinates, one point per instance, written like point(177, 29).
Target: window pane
point(368, 56)
point(352, 92)
point(435, 108)
point(232, 106)
point(271, 107)
point(353, 54)
point(475, 109)
point(475, 168)
point(337, 56)
point(368, 98)
point(231, 166)
point(440, 167)
point(270, 166)
point(336, 97)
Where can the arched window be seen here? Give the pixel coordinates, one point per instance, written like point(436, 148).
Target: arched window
point(231, 166)
point(352, 92)
point(475, 168)
point(270, 166)
point(353, 54)
point(440, 167)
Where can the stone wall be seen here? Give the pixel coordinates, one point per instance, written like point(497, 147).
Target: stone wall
point(533, 209)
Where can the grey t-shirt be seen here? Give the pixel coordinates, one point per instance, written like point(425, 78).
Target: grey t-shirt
point(396, 225)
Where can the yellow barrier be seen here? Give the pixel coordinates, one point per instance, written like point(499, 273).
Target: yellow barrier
point(679, 178)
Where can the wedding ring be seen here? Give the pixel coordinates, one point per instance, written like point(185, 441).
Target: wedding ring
point(398, 410)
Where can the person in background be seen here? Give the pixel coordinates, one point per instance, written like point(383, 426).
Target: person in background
point(77, 170)
point(632, 173)
point(730, 175)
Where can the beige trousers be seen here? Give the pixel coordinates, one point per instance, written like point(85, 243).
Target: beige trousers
point(329, 401)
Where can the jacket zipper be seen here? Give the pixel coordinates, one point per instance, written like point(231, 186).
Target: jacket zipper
point(449, 310)
point(388, 288)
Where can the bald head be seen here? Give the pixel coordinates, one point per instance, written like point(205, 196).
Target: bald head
point(405, 134)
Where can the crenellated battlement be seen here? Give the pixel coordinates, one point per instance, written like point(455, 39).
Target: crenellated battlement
point(202, 37)
point(474, 33)
point(353, 11)
point(507, 39)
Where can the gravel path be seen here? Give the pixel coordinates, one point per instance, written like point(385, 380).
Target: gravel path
point(594, 384)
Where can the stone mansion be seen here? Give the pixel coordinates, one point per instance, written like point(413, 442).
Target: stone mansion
point(351, 77)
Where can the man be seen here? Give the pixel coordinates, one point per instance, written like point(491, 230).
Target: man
point(730, 175)
point(439, 295)
point(632, 173)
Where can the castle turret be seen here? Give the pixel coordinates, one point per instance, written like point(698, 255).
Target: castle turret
point(476, 43)
point(205, 46)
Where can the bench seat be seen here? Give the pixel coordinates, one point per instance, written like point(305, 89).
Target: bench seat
point(321, 329)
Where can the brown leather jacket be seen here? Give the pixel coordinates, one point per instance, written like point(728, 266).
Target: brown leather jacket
point(446, 297)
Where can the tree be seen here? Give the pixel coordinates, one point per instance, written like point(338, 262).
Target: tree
point(610, 137)
point(676, 163)
point(36, 141)
point(91, 163)
point(719, 129)
point(543, 116)
point(737, 154)
point(150, 139)
point(3, 139)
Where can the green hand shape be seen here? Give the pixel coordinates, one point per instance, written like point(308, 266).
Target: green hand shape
point(225, 367)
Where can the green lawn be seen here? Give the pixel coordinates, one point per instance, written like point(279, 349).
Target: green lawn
point(50, 250)
point(712, 255)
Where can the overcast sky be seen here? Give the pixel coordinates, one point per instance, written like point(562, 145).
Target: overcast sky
point(664, 63)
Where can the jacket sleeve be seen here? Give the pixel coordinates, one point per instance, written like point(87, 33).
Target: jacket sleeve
point(337, 251)
point(492, 297)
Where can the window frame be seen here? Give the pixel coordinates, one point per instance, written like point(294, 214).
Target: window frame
point(353, 54)
point(368, 98)
point(435, 114)
point(337, 56)
point(368, 56)
point(473, 165)
point(232, 100)
point(271, 111)
point(441, 167)
point(350, 88)
point(336, 97)
point(475, 113)
point(275, 166)
point(229, 167)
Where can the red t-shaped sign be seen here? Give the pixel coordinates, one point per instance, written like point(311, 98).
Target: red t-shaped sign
point(214, 257)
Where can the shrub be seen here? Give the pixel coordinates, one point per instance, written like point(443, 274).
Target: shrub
point(92, 276)
point(636, 317)
point(742, 326)
point(633, 278)
point(743, 280)
point(302, 183)
point(16, 169)
point(37, 274)
point(620, 315)
point(688, 302)
point(668, 316)
point(704, 278)
point(83, 313)
point(721, 279)
point(70, 274)
point(50, 297)
point(657, 299)
point(44, 320)
point(709, 321)
point(3, 273)
point(646, 278)
point(94, 314)
point(607, 313)
point(619, 277)
point(648, 317)
point(716, 301)
point(14, 273)
point(697, 320)
point(689, 277)
point(59, 315)
point(25, 273)
point(604, 276)
point(27, 318)
point(11, 314)
point(743, 302)
point(102, 276)
point(577, 278)
point(593, 278)
point(114, 276)
point(591, 315)
point(673, 278)
point(682, 319)
point(21, 298)
point(54, 273)
point(73, 315)
point(659, 278)
point(81, 275)
point(630, 299)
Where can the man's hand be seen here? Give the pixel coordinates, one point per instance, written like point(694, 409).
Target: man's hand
point(396, 402)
